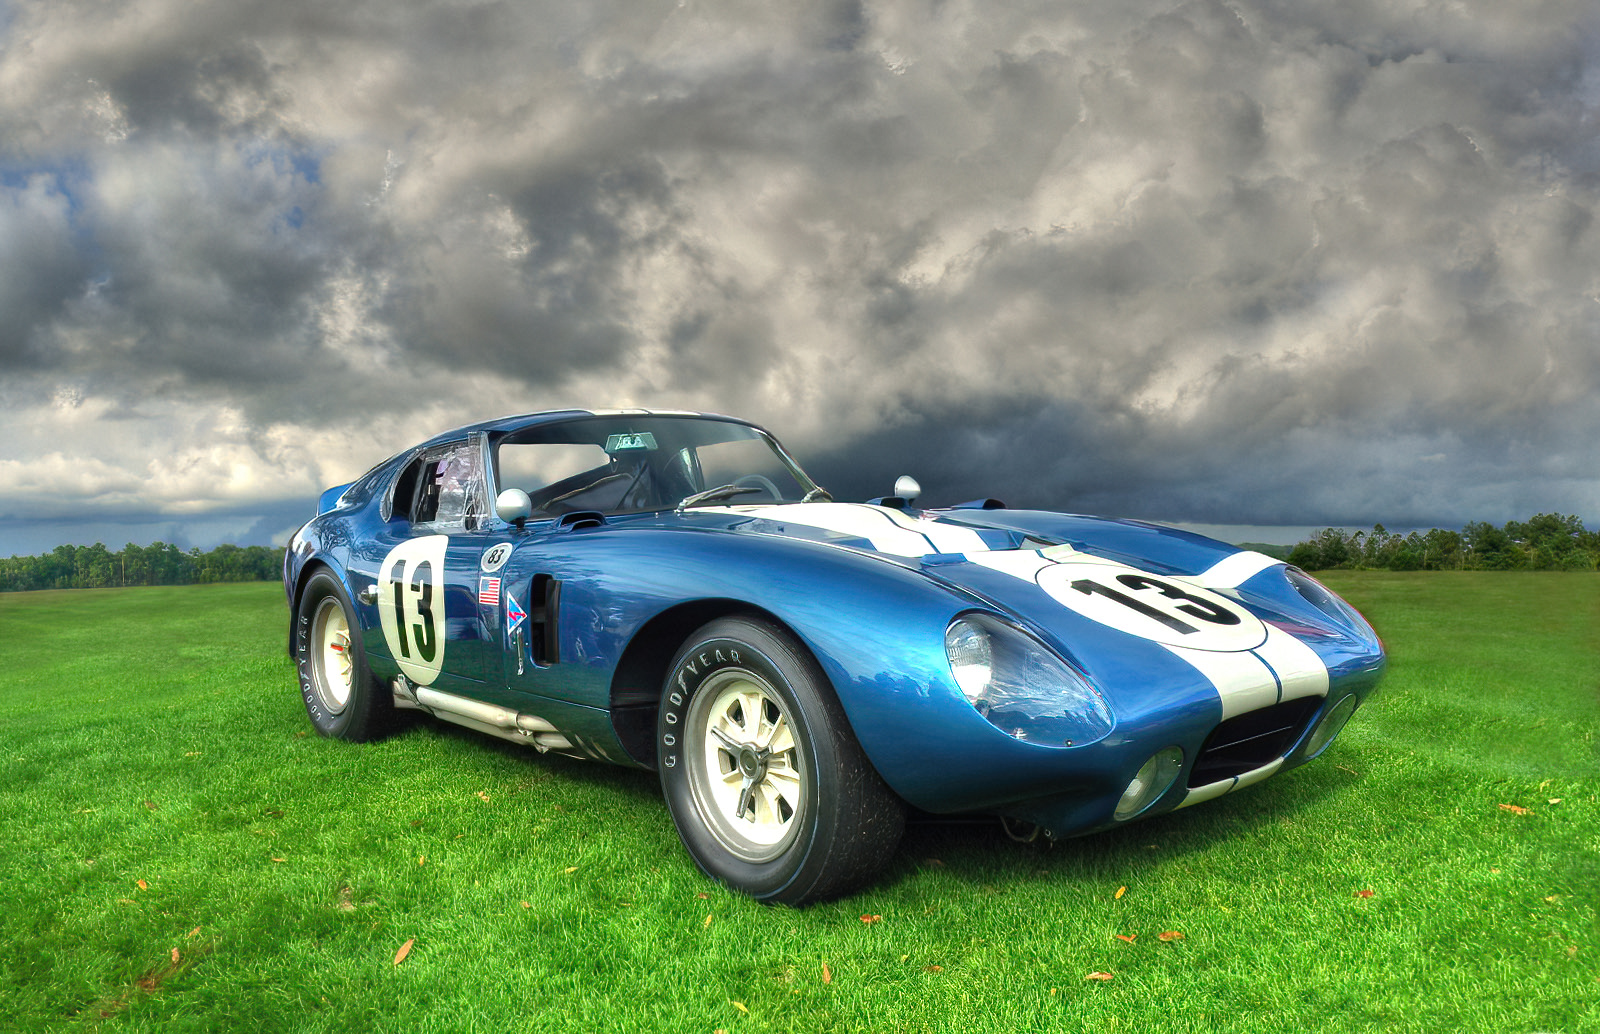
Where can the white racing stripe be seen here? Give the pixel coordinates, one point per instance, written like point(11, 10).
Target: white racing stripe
point(1233, 571)
point(1300, 671)
point(1018, 563)
point(889, 531)
point(1242, 680)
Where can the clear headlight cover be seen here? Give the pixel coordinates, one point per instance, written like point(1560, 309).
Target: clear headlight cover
point(1020, 685)
point(1328, 601)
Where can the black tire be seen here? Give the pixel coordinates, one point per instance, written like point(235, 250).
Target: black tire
point(340, 694)
point(790, 818)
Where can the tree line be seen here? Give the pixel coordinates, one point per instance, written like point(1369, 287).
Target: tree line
point(1545, 542)
point(160, 563)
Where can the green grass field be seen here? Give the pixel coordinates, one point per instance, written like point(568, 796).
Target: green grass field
point(182, 853)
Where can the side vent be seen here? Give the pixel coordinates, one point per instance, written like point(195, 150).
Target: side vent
point(544, 612)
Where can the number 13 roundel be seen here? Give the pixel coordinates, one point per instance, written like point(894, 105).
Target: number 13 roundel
point(1169, 610)
point(411, 606)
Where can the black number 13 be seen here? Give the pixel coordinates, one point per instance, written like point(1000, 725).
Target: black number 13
point(1191, 605)
point(422, 585)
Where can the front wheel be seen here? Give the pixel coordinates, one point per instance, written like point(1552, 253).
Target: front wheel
point(768, 787)
point(341, 697)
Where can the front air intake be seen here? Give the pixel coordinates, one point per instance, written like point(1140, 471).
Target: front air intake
point(1247, 741)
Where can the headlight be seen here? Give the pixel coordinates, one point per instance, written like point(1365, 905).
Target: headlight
point(1020, 686)
point(1327, 601)
point(1154, 778)
point(1331, 725)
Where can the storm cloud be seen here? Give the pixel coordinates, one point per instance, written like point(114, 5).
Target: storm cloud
point(1216, 262)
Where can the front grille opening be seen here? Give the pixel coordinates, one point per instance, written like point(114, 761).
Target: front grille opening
point(1248, 741)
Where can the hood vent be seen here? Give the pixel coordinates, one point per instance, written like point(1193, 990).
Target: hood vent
point(580, 519)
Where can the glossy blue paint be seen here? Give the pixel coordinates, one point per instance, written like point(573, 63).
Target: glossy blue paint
point(873, 618)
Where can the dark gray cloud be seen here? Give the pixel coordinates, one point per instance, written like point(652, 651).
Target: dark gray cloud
point(1243, 262)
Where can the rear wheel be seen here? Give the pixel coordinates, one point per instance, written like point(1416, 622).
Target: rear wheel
point(341, 697)
point(770, 791)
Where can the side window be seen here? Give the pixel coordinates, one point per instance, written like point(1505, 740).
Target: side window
point(450, 487)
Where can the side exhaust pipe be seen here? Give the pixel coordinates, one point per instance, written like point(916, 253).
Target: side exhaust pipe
point(527, 729)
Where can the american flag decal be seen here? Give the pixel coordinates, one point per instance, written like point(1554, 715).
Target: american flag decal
point(489, 592)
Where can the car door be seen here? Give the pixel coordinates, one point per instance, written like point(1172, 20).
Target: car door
point(435, 622)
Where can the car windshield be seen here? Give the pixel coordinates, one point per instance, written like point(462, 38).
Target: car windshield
point(633, 464)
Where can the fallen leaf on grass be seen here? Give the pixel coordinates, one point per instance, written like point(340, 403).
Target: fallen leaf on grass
point(708, 921)
point(1118, 895)
point(741, 1007)
point(174, 956)
point(933, 969)
point(1556, 800)
point(150, 804)
point(1169, 935)
point(1098, 976)
point(276, 859)
point(194, 932)
point(1130, 938)
point(827, 974)
point(1553, 897)
point(405, 949)
point(142, 885)
point(422, 860)
point(869, 920)
point(1514, 809)
point(483, 797)
point(1364, 893)
point(524, 904)
point(569, 870)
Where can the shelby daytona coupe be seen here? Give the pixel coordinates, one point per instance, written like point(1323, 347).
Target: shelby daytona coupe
point(671, 591)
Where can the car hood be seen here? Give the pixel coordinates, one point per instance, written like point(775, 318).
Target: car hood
point(1099, 584)
point(923, 535)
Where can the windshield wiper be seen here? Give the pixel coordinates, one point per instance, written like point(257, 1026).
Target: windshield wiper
point(818, 493)
point(712, 495)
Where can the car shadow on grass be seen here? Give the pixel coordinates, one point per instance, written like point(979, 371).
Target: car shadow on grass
point(983, 850)
point(973, 850)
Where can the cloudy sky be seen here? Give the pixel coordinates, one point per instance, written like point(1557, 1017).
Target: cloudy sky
point(1225, 262)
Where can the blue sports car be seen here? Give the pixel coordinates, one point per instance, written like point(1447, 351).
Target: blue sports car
point(671, 591)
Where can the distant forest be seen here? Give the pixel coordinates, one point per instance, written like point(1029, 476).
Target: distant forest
point(160, 563)
point(1545, 542)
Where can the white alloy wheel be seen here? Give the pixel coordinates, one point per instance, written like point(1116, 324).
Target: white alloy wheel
point(332, 669)
point(745, 773)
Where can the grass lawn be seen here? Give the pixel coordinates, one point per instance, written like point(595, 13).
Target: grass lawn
point(182, 853)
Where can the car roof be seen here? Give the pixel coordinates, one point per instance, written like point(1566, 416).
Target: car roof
point(507, 424)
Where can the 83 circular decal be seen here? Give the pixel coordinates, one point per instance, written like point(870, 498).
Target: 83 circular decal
point(1167, 610)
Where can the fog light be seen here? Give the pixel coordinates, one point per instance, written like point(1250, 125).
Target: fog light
point(1330, 726)
point(1154, 778)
